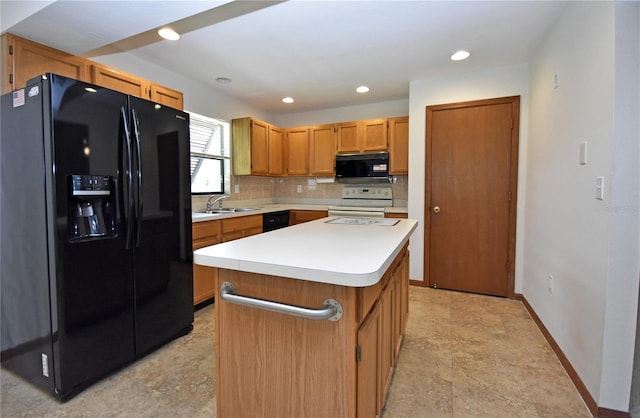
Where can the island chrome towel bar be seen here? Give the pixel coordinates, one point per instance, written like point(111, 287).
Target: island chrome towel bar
point(331, 308)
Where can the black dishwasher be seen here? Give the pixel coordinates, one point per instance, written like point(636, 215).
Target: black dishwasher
point(275, 220)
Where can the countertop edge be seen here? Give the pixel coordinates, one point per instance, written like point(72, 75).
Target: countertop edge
point(308, 274)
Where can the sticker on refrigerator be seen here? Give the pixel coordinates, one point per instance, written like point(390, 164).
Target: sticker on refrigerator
point(18, 98)
point(34, 91)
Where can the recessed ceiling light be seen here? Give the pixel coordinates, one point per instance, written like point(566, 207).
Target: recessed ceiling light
point(223, 80)
point(288, 100)
point(169, 34)
point(362, 89)
point(460, 55)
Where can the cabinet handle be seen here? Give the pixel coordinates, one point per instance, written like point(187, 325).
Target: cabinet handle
point(331, 308)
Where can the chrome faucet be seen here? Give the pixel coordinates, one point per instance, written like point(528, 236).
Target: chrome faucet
point(212, 201)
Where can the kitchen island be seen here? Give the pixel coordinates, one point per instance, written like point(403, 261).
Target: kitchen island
point(309, 318)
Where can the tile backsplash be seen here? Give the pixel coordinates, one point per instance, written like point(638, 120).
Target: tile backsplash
point(274, 188)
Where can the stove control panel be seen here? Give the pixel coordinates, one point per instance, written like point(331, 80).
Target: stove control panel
point(374, 192)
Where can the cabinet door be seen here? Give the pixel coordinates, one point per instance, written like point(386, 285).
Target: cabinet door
point(399, 145)
point(240, 227)
point(368, 366)
point(241, 146)
point(276, 151)
point(374, 135)
point(322, 150)
point(259, 147)
point(298, 152)
point(204, 234)
point(119, 81)
point(24, 60)
point(348, 137)
point(301, 216)
point(387, 343)
point(166, 96)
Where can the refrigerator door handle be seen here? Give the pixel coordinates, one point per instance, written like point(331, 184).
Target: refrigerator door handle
point(128, 212)
point(136, 131)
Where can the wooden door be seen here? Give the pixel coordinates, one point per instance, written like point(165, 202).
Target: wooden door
point(470, 196)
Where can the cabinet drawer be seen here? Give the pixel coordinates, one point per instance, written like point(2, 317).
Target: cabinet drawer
point(241, 223)
point(205, 229)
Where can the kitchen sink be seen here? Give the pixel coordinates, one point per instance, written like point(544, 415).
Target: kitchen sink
point(227, 210)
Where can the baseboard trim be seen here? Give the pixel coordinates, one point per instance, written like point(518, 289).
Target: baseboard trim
point(573, 375)
point(591, 403)
point(420, 283)
point(611, 413)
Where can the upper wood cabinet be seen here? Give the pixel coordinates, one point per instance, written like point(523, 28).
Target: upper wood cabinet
point(113, 79)
point(399, 145)
point(297, 145)
point(276, 151)
point(362, 136)
point(322, 150)
point(262, 149)
point(166, 96)
point(257, 148)
point(24, 59)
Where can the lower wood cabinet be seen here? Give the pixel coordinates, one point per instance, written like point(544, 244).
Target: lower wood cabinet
point(240, 227)
point(380, 339)
point(300, 216)
point(276, 365)
point(396, 215)
point(204, 279)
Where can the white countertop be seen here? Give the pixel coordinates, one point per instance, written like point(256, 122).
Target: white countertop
point(201, 217)
point(347, 255)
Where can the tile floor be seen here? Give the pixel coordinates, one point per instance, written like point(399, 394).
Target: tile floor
point(463, 356)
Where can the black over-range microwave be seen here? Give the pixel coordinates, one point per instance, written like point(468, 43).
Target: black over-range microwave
point(371, 167)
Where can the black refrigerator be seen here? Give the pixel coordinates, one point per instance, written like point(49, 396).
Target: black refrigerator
point(95, 250)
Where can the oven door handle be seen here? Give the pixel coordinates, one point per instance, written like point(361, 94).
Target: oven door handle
point(356, 213)
point(331, 308)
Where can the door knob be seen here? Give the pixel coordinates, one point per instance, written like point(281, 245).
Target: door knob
point(436, 209)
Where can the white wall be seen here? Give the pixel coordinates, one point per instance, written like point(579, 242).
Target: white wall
point(590, 246)
point(499, 82)
point(344, 114)
point(623, 274)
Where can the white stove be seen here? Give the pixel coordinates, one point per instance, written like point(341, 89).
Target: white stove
point(363, 202)
point(363, 221)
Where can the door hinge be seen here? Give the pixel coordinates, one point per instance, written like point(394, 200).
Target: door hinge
point(512, 124)
point(509, 196)
point(10, 49)
point(358, 354)
point(11, 78)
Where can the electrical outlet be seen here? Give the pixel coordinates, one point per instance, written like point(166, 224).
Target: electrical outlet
point(237, 188)
point(550, 284)
point(299, 188)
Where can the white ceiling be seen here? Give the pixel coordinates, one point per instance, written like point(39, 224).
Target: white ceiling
point(318, 52)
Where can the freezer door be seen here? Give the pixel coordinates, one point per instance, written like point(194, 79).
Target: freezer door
point(94, 269)
point(163, 254)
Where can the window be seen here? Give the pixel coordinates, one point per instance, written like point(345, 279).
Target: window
point(210, 155)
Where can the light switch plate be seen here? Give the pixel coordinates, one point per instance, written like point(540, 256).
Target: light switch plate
point(600, 187)
point(583, 153)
